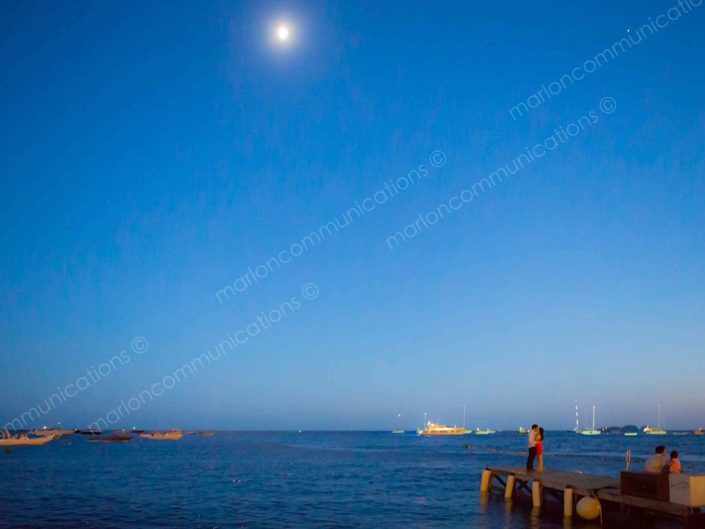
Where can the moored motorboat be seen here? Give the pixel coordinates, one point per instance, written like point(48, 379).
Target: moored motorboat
point(630, 430)
point(90, 431)
point(174, 435)
point(523, 431)
point(442, 429)
point(484, 431)
point(699, 431)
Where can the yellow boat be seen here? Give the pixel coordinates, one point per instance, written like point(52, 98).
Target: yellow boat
point(56, 432)
point(24, 440)
point(442, 429)
point(174, 435)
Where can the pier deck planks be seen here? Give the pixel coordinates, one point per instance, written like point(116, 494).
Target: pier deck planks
point(605, 488)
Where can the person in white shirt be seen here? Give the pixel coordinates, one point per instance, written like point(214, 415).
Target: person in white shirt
point(532, 447)
point(657, 461)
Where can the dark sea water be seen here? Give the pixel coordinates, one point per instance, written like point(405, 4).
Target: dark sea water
point(309, 479)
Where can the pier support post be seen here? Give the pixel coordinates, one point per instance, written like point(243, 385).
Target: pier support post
point(485, 482)
point(536, 493)
point(568, 502)
point(509, 489)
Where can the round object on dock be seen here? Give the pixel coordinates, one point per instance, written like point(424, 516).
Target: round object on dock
point(588, 508)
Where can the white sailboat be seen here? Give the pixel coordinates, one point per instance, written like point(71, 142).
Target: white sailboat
point(592, 430)
point(658, 430)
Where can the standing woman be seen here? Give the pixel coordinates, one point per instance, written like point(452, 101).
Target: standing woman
point(539, 449)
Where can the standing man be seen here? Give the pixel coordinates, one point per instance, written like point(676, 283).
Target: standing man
point(532, 447)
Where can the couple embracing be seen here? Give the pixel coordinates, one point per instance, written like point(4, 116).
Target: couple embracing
point(535, 442)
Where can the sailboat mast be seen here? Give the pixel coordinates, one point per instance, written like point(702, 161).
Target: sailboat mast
point(593, 417)
point(658, 408)
point(463, 416)
point(577, 418)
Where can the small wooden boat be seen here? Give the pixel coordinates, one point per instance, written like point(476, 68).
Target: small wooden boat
point(174, 435)
point(56, 432)
point(111, 439)
point(24, 440)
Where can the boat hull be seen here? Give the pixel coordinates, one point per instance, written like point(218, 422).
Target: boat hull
point(27, 441)
point(442, 434)
point(170, 436)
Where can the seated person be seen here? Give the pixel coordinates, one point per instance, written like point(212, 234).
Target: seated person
point(674, 465)
point(656, 463)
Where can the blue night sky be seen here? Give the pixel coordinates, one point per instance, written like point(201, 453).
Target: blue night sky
point(155, 152)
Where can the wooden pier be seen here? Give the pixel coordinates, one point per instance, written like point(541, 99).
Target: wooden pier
point(569, 487)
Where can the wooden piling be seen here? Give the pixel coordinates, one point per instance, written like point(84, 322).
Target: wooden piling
point(485, 481)
point(568, 502)
point(536, 493)
point(509, 489)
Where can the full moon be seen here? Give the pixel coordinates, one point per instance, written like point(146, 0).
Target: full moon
point(283, 33)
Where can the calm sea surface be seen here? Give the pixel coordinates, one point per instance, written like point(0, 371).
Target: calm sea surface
point(309, 479)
